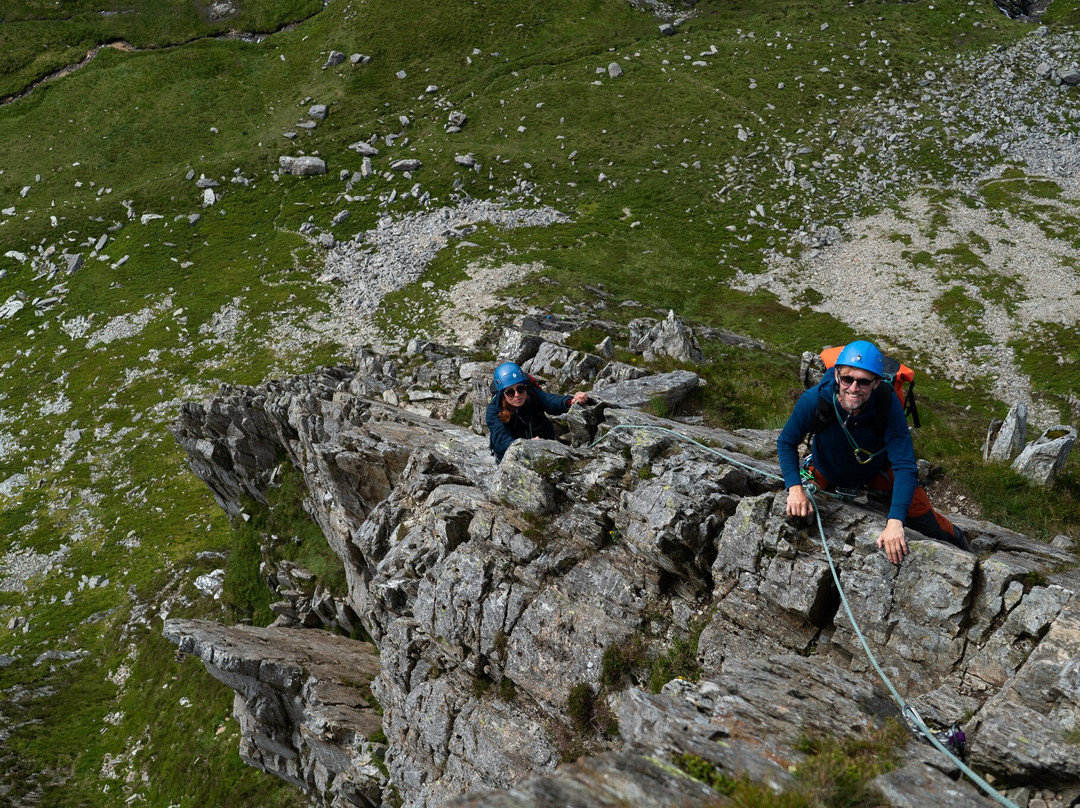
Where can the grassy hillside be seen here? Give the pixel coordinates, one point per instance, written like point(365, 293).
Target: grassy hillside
point(661, 171)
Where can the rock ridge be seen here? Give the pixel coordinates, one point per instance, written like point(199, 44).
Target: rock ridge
point(495, 596)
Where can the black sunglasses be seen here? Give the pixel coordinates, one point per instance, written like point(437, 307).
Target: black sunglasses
point(516, 390)
point(847, 381)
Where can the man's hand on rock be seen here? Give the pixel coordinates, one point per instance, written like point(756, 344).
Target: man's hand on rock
point(892, 539)
point(798, 504)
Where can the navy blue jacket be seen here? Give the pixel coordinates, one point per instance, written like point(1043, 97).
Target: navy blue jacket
point(527, 421)
point(834, 456)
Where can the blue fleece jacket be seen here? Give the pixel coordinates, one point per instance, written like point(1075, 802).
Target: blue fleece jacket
point(527, 421)
point(833, 454)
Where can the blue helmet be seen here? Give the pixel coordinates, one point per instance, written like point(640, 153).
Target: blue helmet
point(861, 354)
point(507, 375)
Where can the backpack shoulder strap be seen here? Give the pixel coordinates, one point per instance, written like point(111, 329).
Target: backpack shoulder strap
point(882, 401)
point(823, 416)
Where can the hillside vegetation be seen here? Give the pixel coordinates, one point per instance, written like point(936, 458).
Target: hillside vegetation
point(673, 177)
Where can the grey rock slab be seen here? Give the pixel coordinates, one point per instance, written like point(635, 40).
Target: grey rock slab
point(302, 166)
point(1042, 461)
point(749, 720)
point(1034, 712)
point(613, 780)
point(528, 475)
point(295, 689)
point(674, 519)
point(669, 388)
point(1005, 439)
point(746, 626)
point(1019, 742)
point(919, 784)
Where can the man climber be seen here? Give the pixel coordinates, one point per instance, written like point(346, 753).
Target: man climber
point(861, 438)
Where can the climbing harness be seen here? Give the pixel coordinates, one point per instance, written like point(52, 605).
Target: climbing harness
point(809, 482)
point(954, 737)
point(860, 452)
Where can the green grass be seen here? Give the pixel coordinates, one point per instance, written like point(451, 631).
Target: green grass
point(37, 40)
point(305, 543)
point(960, 310)
point(678, 660)
point(835, 773)
point(280, 530)
point(1053, 356)
point(123, 132)
point(245, 593)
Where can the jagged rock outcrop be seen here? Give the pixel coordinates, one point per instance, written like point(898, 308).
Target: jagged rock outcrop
point(669, 337)
point(1006, 438)
point(300, 702)
point(1023, 9)
point(1041, 460)
point(496, 595)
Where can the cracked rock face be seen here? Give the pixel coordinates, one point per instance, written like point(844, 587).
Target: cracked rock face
point(496, 595)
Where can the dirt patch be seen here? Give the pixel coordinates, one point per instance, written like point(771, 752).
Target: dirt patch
point(948, 497)
point(465, 318)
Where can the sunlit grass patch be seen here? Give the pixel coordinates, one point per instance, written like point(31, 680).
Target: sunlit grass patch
point(1051, 357)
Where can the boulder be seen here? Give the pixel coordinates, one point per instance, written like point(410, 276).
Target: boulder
point(302, 166)
point(669, 338)
point(364, 148)
point(518, 346)
point(811, 368)
point(565, 365)
point(1042, 461)
point(1005, 439)
point(667, 389)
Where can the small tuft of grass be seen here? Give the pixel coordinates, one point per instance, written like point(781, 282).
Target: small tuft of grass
point(678, 661)
point(480, 686)
point(707, 773)
point(581, 705)
point(835, 773)
point(463, 415)
point(507, 689)
point(620, 660)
